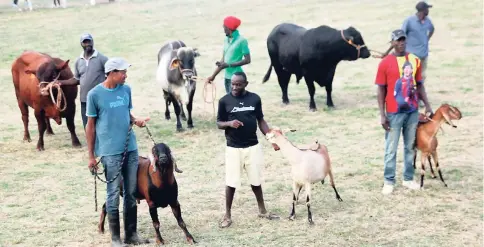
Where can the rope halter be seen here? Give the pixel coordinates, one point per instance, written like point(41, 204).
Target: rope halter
point(350, 42)
point(47, 90)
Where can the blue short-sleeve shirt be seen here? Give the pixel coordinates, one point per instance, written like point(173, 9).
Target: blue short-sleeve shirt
point(111, 108)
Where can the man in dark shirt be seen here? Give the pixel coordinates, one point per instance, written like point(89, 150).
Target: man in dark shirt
point(239, 114)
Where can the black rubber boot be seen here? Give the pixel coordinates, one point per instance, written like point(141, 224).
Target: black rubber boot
point(130, 217)
point(114, 228)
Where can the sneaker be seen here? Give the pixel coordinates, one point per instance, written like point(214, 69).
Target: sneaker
point(387, 189)
point(411, 185)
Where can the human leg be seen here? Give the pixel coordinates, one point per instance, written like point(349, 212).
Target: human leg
point(391, 143)
point(83, 114)
point(409, 134)
point(232, 181)
point(111, 165)
point(130, 175)
point(253, 162)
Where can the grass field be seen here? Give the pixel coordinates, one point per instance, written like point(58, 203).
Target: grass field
point(46, 198)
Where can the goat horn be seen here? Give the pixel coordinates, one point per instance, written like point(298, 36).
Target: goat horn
point(448, 120)
point(453, 109)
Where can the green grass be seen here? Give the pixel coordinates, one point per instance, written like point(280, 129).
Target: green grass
point(46, 198)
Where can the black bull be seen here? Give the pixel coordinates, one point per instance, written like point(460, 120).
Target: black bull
point(313, 54)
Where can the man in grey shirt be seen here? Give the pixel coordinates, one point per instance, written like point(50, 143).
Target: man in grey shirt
point(88, 71)
point(419, 29)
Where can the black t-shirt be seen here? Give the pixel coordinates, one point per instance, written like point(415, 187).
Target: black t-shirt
point(246, 108)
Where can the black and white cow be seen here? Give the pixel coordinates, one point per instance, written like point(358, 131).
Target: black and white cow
point(313, 54)
point(176, 66)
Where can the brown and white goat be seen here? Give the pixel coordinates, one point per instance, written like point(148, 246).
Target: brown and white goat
point(426, 140)
point(308, 167)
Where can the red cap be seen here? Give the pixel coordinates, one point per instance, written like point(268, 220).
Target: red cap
point(232, 22)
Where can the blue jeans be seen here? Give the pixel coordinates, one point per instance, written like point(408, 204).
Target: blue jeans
point(228, 85)
point(407, 124)
point(128, 173)
point(83, 114)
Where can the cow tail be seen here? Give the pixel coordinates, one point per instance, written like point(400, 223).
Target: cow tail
point(268, 74)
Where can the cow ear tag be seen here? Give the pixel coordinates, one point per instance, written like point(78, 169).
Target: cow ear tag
point(174, 64)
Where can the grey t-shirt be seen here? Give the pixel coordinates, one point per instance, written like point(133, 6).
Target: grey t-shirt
point(418, 35)
point(89, 72)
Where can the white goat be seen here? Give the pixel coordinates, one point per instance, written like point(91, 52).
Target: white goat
point(308, 167)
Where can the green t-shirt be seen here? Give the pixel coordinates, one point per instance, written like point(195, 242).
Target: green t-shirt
point(234, 51)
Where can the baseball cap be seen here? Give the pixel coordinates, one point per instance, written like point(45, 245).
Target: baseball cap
point(85, 36)
point(422, 6)
point(116, 63)
point(397, 34)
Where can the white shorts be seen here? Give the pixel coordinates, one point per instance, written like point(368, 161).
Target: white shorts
point(237, 159)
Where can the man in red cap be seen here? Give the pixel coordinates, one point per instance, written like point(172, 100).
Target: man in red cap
point(236, 52)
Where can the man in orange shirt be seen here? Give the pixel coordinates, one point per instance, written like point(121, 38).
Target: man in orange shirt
point(400, 85)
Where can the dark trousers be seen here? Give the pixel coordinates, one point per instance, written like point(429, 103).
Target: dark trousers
point(83, 114)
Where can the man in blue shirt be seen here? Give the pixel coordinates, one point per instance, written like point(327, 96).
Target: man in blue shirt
point(109, 118)
point(419, 29)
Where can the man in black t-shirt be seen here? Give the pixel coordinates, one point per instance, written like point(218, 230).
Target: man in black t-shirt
point(239, 114)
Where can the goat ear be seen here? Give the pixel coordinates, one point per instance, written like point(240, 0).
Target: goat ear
point(175, 62)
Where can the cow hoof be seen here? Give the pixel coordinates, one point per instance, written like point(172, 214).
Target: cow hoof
point(160, 242)
point(40, 148)
point(167, 117)
point(183, 117)
point(312, 109)
point(27, 138)
point(76, 144)
point(190, 126)
point(50, 133)
point(292, 217)
point(191, 241)
point(285, 102)
point(179, 129)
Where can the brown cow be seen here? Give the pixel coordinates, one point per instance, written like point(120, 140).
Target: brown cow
point(33, 71)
